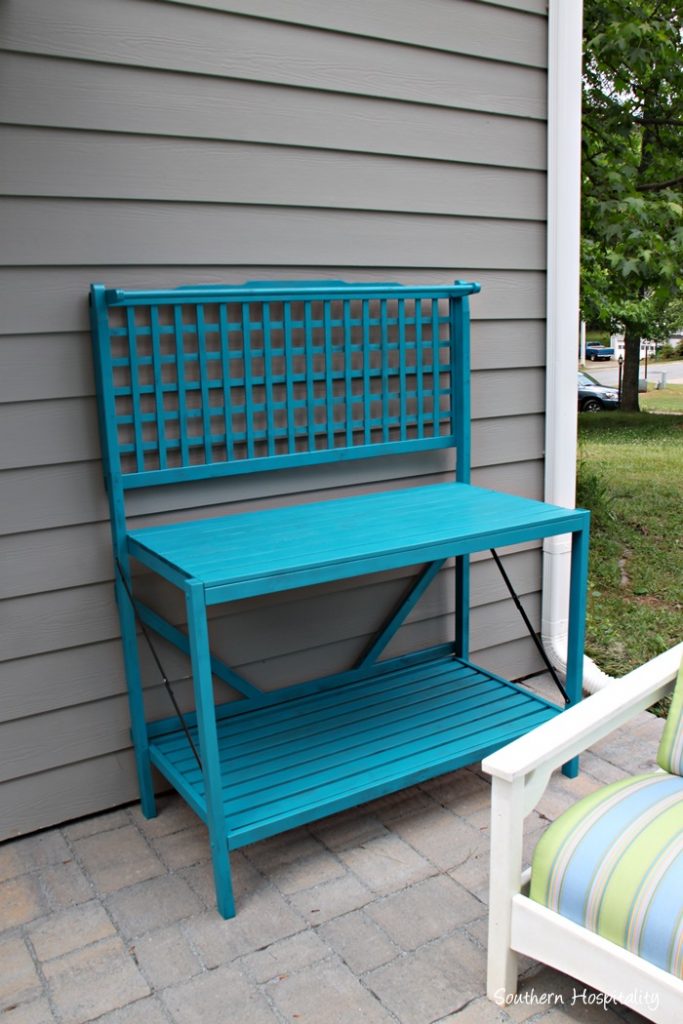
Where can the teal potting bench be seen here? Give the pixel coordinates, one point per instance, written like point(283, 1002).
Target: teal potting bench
point(211, 381)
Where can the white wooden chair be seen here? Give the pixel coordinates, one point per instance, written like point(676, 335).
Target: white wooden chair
point(521, 924)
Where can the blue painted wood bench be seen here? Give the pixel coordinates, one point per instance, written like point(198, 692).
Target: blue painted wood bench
point(211, 381)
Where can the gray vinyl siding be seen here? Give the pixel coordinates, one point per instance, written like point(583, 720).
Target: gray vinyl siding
point(160, 142)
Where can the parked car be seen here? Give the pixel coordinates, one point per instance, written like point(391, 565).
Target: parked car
point(596, 352)
point(594, 397)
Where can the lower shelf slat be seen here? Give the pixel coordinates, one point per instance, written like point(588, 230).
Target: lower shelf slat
point(297, 761)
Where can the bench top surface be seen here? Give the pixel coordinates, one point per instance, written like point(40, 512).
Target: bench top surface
point(398, 524)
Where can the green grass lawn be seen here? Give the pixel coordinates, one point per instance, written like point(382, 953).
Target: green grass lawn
point(630, 475)
point(669, 399)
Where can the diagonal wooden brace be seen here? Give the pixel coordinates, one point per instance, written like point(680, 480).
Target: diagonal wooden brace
point(400, 613)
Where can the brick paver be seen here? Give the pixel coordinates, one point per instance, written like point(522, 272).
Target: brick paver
point(19, 981)
point(65, 885)
point(325, 902)
point(440, 836)
point(223, 996)
point(425, 911)
point(376, 915)
point(416, 989)
point(91, 981)
point(285, 956)
point(359, 941)
point(387, 864)
point(70, 929)
point(185, 848)
point(20, 901)
point(327, 993)
point(36, 1012)
point(117, 858)
point(96, 824)
point(307, 872)
point(144, 1011)
point(166, 957)
point(152, 904)
point(33, 852)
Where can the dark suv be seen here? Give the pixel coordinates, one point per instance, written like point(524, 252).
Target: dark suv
point(594, 397)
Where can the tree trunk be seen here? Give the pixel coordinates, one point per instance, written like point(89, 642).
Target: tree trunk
point(631, 370)
point(633, 332)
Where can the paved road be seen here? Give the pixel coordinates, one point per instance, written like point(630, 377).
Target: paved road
point(608, 373)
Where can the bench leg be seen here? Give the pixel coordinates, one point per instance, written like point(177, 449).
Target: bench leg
point(577, 629)
point(462, 607)
point(131, 661)
point(208, 745)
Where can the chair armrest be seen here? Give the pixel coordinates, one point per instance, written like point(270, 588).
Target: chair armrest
point(557, 741)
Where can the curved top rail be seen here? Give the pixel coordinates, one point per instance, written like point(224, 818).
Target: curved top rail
point(285, 290)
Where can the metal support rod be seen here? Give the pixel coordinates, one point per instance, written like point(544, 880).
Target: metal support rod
point(164, 678)
point(167, 631)
point(530, 628)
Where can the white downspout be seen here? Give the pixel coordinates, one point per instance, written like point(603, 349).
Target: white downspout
point(564, 209)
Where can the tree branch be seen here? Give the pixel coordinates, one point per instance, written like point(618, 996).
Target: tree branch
point(665, 121)
point(655, 186)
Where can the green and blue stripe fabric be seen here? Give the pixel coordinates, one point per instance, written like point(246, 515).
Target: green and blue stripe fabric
point(613, 863)
point(670, 753)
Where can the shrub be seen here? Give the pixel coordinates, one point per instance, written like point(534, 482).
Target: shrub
point(667, 352)
point(592, 492)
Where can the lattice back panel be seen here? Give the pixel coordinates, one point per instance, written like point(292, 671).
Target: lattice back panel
point(237, 380)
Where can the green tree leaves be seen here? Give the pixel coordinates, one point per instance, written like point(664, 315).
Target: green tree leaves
point(632, 249)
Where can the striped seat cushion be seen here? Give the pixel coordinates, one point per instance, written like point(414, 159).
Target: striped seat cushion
point(670, 753)
point(613, 863)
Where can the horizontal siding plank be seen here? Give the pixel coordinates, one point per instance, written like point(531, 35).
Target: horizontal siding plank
point(531, 6)
point(57, 558)
point(39, 742)
point(456, 26)
point(72, 791)
point(42, 366)
point(87, 614)
point(490, 625)
point(56, 298)
point(76, 495)
point(55, 431)
point(38, 683)
point(78, 556)
point(516, 439)
point(38, 562)
point(48, 682)
point(133, 32)
point(507, 344)
point(77, 490)
point(75, 675)
point(61, 737)
point(56, 679)
point(127, 167)
point(65, 430)
point(71, 556)
point(40, 90)
point(514, 659)
point(519, 391)
point(64, 618)
point(116, 232)
point(523, 478)
point(66, 366)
